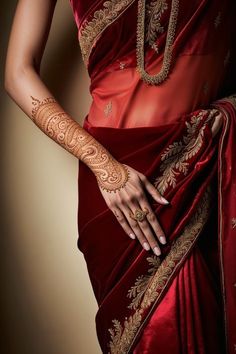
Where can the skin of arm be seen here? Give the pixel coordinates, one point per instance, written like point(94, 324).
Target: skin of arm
point(27, 41)
point(28, 38)
point(29, 33)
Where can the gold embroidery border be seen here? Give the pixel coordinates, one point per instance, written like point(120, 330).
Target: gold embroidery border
point(122, 338)
point(102, 18)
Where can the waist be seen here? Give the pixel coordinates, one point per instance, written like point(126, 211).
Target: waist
point(121, 99)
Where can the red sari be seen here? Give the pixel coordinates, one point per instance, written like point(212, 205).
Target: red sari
point(183, 302)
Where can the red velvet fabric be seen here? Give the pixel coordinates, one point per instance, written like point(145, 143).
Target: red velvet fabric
point(195, 311)
point(189, 314)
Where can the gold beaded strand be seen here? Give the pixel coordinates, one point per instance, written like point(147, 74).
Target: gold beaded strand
point(158, 78)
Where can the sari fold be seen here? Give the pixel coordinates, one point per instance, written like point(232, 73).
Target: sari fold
point(183, 302)
point(123, 273)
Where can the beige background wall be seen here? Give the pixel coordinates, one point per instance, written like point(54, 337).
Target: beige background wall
point(47, 303)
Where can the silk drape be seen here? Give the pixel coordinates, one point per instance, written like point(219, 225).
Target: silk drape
point(185, 300)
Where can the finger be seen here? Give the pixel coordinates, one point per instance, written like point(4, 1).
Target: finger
point(147, 232)
point(123, 222)
point(146, 229)
point(152, 219)
point(134, 225)
point(153, 191)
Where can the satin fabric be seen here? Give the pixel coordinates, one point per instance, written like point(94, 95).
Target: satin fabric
point(187, 304)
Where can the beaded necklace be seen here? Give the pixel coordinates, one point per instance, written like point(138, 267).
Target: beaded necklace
point(161, 76)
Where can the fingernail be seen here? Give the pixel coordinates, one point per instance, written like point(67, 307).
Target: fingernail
point(163, 240)
point(146, 246)
point(132, 236)
point(164, 200)
point(157, 251)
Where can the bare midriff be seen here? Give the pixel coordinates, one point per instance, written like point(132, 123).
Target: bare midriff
point(121, 99)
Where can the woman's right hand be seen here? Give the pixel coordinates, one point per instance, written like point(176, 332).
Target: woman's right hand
point(131, 197)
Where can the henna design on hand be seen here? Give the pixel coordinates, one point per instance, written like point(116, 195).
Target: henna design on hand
point(49, 116)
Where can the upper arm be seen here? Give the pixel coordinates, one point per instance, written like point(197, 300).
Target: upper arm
point(29, 33)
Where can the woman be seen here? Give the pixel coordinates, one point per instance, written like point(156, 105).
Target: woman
point(156, 164)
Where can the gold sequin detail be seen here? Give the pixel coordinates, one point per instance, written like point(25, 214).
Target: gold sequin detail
point(91, 30)
point(122, 65)
point(148, 289)
point(158, 78)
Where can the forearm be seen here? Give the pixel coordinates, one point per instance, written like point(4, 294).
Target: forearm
point(33, 97)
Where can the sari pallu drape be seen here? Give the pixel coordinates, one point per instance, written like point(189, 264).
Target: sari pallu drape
point(129, 283)
point(193, 282)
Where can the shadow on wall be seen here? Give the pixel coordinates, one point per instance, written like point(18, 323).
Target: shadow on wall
point(47, 303)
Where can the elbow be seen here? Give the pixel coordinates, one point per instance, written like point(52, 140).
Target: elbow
point(14, 79)
point(7, 81)
point(17, 72)
point(10, 81)
point(8, 84)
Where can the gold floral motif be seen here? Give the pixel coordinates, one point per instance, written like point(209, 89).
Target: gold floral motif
point(137, 291)
point(175, 157)
point(162, 75)
point(102, 18)
point(152, 285)
point(153, 26)
point(108, 109)
point(121, 336)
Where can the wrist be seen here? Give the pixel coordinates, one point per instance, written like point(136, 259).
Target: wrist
point(110, 174)
point(112, 177)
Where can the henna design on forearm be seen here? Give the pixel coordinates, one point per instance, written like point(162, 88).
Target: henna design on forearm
point(49, 116)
